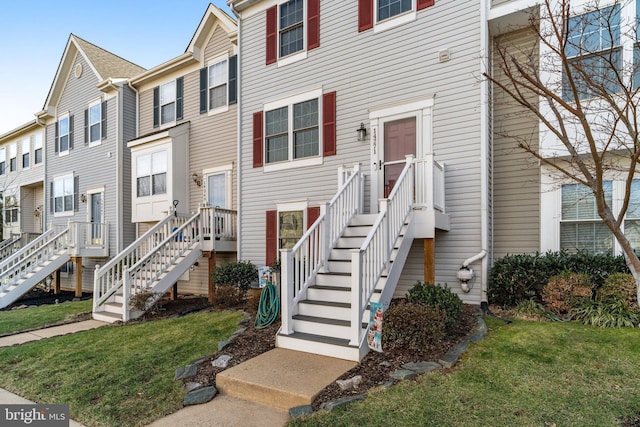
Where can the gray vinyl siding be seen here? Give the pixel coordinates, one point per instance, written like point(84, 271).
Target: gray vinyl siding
point(96, 166)
point(212, 143)
point(129, 132)
point(516, 174)
point(393, 67)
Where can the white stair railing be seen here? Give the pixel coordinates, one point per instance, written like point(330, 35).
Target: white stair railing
point(218, 223)
point(300, 264)
point(370, 261)
point(430, 183)
point(8, 246)
point(109, 278)
point(32, 255)
point(146, 271)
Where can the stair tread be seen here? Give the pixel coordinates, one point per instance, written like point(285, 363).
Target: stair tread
point(330, 288)
point(333, 273)
point(109, 314)
point(320, 338)
point(324, 320)
point(327, 303)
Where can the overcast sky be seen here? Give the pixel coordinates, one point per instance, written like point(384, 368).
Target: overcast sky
point(34, 33)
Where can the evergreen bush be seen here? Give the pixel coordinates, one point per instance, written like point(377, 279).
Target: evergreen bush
point(437, 296)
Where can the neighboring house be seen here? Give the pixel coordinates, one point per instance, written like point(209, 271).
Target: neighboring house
point(331, 84)
point(22, 185)
point(536, 209)
point(184, 168)
point(88, 117)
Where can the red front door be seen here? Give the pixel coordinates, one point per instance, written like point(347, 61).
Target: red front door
point(399, 141)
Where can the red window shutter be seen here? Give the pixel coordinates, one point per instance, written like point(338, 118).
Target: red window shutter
point(272, 237)
point(313, 212)
point(329, 124)
point(424, 3)
point(365, 15)
point(272, 34)
point(313, 24)
point(257, 139)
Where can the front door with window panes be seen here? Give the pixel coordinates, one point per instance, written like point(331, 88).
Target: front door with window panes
point(399, 140)
point(96, 218)
point(290, 228)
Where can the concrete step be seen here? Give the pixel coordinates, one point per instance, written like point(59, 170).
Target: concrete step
point(281, 378)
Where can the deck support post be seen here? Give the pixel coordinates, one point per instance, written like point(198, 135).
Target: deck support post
point(56, 282)
point(211, 256)
point(430, 260)
point(78, 262)
point(174, 292)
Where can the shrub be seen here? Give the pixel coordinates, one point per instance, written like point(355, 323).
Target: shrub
point(566, 291)
point(232, 282)
point(418, 327)
point(531, 309)
point(521, 277)
point(437, 296)
point(145, 301)
point(610, 313)
point(620, 287)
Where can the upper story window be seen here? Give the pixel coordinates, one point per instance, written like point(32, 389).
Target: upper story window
point(581, 227)
point(26, 152)
point(385, 14)
point(13, 157)
point(3, 159)
point(37, 149)
point(218, 85)
point(293, 28)
point(298, 131)
point(64, 134)
point(151, 174)
point(64, 190)
point(168, 102)
point(95, 122)
point(594, 52)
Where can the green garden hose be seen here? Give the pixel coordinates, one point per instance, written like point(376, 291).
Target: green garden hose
point(268, 307)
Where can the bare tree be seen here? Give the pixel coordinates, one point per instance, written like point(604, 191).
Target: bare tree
point(582, 83)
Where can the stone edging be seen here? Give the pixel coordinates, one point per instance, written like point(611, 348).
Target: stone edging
point(410, 371)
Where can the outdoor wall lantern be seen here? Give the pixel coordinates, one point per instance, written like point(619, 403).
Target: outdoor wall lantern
point(197, 179)
point(362, 132)
point(83, 198)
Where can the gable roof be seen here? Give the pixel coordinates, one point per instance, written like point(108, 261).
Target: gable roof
point(195, 51)
point(104, 64)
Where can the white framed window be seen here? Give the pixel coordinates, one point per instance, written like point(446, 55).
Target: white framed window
point(3, 160)
point(168, 102)
point(581, 228)
point(292, 130)
point(13, 157)
point(291, 27)
point(151, 174)
point(593, 46)
point(217, 85)
point(392, 13)
point(25, 149)
point(64, 134)
point(94, 125)
point(37, 149)
point(10, 210)
point(292, 223)
point(63, 196)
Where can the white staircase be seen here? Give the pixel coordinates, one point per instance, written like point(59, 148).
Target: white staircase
point(156, 260)
point(149, 266)
point(23, 270)
point(345, 261)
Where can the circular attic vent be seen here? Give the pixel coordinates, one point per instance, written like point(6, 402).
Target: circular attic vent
point(78, 70)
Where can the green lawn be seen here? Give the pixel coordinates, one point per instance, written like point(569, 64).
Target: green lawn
point(41, 316)
point(115, 375)
point(522, 374)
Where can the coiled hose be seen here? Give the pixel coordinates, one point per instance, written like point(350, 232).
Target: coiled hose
point(268, 307)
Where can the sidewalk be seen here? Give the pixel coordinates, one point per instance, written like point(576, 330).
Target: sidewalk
point(52, 331)
point(8, 398)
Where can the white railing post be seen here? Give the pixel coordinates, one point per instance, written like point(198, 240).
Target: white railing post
point(96, 287)
point(429, 194)
point(126, 291)
point(341, 176)
point(286, 290)
point(326, 237)
point(356, 297)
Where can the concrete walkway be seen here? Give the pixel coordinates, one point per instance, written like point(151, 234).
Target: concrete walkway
point(8, 398)
point(52, 331)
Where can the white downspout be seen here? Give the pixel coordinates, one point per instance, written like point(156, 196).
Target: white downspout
point(239, 132)
point(137, 106)
point(484, 151)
